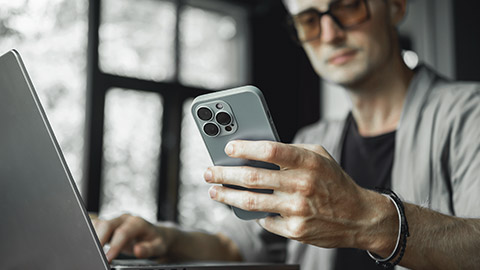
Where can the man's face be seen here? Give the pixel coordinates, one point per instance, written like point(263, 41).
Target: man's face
point(349, 56)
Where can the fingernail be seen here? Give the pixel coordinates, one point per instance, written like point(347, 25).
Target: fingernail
point(142, 251)
point(229, 148)
point(261, 222)
point(208, 175)
point(212, 192)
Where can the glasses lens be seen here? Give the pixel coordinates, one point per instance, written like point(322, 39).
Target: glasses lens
point(307, 25)
point(350, 12)
point(346, 13)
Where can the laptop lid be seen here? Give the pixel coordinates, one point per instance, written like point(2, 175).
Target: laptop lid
point(44, 222)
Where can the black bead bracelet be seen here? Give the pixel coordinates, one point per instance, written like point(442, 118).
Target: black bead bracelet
point(396, 256)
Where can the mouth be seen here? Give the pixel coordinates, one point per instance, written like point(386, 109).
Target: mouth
point(341, 57)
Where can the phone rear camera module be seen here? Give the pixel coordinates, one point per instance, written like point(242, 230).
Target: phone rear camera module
point(204, 113)
point(223, 118)
point(211, 129)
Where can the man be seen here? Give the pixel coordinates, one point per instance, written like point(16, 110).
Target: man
point(410, 131)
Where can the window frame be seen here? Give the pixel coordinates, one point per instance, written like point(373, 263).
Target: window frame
point(174, 95)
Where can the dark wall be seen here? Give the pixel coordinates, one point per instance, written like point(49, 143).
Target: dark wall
point(467, 39)
point(282, 71)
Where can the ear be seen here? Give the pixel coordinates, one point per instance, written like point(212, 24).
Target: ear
point(398, 9)
point(291, 6)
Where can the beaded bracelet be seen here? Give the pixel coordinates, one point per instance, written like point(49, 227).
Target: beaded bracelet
point(403, 233)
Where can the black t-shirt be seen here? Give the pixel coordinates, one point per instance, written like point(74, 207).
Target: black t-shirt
point(368, 161)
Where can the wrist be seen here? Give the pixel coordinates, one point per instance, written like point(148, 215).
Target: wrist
point(380, 232)
point(403, 233)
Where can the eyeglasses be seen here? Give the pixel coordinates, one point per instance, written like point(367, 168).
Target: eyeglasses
point(345, 13)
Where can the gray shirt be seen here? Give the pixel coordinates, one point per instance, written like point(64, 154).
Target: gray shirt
point(436, 162)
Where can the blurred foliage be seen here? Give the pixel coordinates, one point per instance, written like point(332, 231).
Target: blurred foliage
point(51, 36)
point(131, 153)
point(137, 38)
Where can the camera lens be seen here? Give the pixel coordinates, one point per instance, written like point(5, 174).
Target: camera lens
point(204, 113)
point(211, 129)
point(223, 118)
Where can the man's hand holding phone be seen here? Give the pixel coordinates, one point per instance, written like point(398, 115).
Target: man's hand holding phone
point(234, 114)
point(318, 202)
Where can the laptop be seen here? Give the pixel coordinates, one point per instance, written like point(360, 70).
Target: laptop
point(44, 223)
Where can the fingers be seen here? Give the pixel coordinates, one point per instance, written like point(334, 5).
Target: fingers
point(144, 250)
point(311, 158)
point(292, 181)
point(293, 227)
point(250, 177)
point(274, 225)
point(281, 154)
point(252, 201)
point(105, 228)
point(93, 216)
point(243, 199)
point(125, 234)
point(117, 244)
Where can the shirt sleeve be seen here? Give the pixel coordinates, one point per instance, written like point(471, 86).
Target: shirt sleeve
point(465, 155)
point(246, 235)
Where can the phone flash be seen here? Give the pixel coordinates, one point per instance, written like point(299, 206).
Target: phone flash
point(219, 106)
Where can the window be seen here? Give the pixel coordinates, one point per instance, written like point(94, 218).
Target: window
point(153, 57)
point(137, 39)
point(51, 36)
point(131, 151)
point(213, 55)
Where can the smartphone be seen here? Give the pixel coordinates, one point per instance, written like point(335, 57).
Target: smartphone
point(235, 114)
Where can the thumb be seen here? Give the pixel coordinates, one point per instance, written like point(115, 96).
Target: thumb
point(149, 249)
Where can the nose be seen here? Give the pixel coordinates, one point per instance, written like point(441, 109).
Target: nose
point(330, 30)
